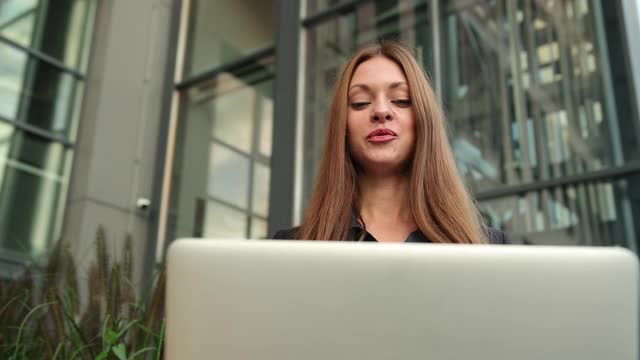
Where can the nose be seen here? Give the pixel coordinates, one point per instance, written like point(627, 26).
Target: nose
point(381, 113)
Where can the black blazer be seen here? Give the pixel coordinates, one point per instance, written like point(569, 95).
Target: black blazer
point(494, 236)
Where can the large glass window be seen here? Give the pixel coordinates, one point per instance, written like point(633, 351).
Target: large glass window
point(536, 101)
point(223, 31)
point(56, 28)
point(37, 93)
point(537, 91)
point(534, 91)
point(591, 213)
point(43, 51)
point(222, 170)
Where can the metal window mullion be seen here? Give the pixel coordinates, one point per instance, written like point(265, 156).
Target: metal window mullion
point(631, 168)
point(257, 108)
point(561, 21)
point(201, 208)
point(32, 130)
point(180, 23)
point(212, 96)
point(213, 72)
point(24, 101)
point(226, 203)
point(436, 23)
point(585, 218)
point(505, 122)
point(285, 127)
point(519, 105)
point(228, 146)
point(537, 118)
point(37, 31)
point(612, 115)
point(17, 18)
point(331, 12)
point(453, 56)
point(459, 6)
point(43, 57)
point(607, 83)
point(88, 31)
point(630, 13)
point(232, 206)
point(300, 125)
point(33, 170)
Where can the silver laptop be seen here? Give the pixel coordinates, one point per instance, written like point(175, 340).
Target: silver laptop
point(276, 300)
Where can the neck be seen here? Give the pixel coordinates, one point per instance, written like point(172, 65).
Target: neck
point(385, 199)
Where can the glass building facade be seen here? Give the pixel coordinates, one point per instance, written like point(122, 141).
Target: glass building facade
point(540, 97)
point(221, 173)
point(43, 58)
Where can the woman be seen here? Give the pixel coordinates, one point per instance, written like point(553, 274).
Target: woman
point(387, 172)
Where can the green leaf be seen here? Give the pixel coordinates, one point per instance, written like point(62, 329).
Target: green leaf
point(112, 336)
point(17, 345)
point(103, 355)
point(126, 328)
point(120, 351)
point(142, 351)
point(161, 341)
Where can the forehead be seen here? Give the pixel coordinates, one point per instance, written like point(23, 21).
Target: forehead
point(378, 70)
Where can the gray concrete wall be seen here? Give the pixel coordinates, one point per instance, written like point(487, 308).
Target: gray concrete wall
point(115, 160)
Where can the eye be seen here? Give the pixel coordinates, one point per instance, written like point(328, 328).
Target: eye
point(359, 105)
point(402, 102)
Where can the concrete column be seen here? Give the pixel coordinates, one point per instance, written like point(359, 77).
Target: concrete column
point(120, 126)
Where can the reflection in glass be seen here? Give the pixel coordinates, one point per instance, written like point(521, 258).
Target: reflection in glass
point(6, 133)
point(34, 93)
point(314, 6)
point(17, 18)
point(24, 192)
point(223, 222)
point(32, 151)
point(533, 102)
point(225, 30)
point(266, 126)
point(261, 178)
point(60, 30)
point(12, 69)
point(37, 93)
point(229, 176)
point(258, 228)
point(599, 213)
point(224, 123)
point(233, 117)
point(533, 91)
point(32, 182)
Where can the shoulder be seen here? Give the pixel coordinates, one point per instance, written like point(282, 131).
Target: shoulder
point(286, 234)
point(496, 236)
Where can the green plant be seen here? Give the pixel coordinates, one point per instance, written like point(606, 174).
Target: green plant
point(42, 314)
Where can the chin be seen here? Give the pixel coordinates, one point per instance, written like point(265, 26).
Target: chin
point(386, 165)
point(380, 161)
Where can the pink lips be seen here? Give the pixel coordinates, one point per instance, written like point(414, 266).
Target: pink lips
point(381, 135)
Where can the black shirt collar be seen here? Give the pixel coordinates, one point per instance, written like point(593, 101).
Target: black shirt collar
point(356, 232)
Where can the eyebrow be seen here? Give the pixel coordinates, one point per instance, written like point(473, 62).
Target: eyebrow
point(367, 88)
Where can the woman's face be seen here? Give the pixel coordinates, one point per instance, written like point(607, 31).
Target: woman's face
point(380, 120)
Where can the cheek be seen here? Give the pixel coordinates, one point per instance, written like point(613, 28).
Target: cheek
point(352, 127)
point(411, 125)
point(350, 132)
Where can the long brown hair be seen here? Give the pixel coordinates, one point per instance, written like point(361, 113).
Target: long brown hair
point(440, 203)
